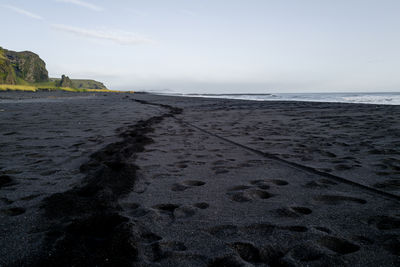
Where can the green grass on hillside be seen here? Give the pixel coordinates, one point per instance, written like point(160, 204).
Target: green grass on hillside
point(21, 81)
point(35, 88)
point(49, 84)
point(2, 56)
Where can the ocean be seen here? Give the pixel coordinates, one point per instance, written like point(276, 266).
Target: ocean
point(364, 98)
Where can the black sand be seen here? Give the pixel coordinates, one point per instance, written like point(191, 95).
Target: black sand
point(148, 180)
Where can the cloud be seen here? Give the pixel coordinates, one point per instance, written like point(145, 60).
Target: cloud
point(117, 36)
point(24, 12)
point(83, 4)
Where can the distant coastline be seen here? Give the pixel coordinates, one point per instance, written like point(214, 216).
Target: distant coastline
point(388, 98)
point(237, 94)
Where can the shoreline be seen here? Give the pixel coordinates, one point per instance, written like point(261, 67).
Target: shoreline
point(253, 97)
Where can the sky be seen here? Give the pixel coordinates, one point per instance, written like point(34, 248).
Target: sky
point(213, 46)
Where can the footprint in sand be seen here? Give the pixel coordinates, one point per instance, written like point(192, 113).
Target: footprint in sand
point(254, 254)
point(14, 211)
point(244, 193)
point(219, 170)
point(166, 208)
point(182, 164)
point(260, 184)
point(256, 193)
point(279, 182)
point(202, 205)
point(5, 180)
point(255, 190)
point(6, 201)
point(179, 212)
point(239, 188)
point(239, 197)
point(194, 183)
point(343, 167)
point(322, 183)
point(10, 133)
point(266, 182)
point(184, 212)
point(390, 184)
point(135, 210)
point(302, 210)
point(247, 251)
point(292, 212)
point(385, 222)
point(305, 253)
point(362, 240)
point(337, 199)
point(338, 245)
point(220, 162)
point(179, 187)
point(186, 185)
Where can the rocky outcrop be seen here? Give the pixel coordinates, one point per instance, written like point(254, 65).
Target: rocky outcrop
point(88, 84)
point(81, 84)
point(27, 66)
point(65, 82)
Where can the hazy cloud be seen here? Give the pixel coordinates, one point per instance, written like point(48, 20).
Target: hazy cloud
point(117, 36)
point(83, 4)
point(24, 12)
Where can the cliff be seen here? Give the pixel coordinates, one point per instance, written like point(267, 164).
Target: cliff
point(27, 66)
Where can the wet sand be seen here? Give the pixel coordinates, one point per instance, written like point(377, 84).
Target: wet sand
point(145, 180)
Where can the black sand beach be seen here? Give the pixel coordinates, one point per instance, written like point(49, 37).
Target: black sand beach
point(146, 180)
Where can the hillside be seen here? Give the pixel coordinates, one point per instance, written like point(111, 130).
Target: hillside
point(28, 69)
point(28, 66)
point(21, 67)
point(80, 84)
